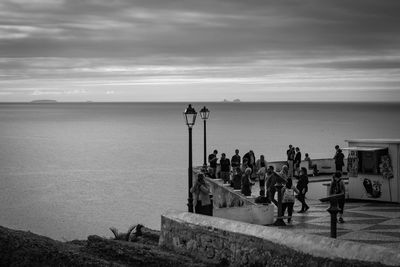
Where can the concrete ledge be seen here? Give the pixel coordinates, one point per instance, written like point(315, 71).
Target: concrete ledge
point(256, 214)
point(243, 244)
point(226, 196)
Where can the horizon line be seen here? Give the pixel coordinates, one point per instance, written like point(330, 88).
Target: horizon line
point(186, 101)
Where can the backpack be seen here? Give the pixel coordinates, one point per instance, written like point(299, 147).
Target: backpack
point(288, 195)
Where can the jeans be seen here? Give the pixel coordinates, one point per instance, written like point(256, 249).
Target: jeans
point(289, 207)
point(271, 195)
point(302, 198)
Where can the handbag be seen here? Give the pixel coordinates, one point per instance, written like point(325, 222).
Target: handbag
point(288, 195)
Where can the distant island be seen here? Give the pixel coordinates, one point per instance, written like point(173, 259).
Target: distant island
point(235, 100)
point(44, 101)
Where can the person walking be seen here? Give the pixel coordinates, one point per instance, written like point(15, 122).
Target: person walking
point(297, 161)
point(288, 198)
point(212, 159)
point(272, 178)
point(225, 164)
point(302, 186)
point(339, 159)
point(337, 187)
point(201, 196)
point(236, 159)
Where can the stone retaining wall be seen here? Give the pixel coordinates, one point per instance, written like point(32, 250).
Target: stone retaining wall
point(243, 244)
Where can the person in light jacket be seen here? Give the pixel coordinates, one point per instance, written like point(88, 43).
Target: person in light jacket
point(201, 196)
point(284, 173)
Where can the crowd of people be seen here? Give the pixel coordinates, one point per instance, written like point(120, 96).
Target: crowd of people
point(243, 173)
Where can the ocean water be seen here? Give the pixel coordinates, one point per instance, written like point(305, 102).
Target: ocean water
point(71, 170)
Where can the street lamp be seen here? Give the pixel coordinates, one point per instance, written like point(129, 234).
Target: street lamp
point(204, 113)
point(190, 117)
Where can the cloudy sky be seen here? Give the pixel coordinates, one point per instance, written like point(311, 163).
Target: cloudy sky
point(208, 50)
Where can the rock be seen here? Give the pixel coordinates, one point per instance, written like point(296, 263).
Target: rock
point(20, 248)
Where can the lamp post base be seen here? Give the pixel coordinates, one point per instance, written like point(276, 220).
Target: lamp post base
point(333, 211)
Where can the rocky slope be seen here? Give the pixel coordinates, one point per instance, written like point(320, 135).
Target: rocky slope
point(20, 248)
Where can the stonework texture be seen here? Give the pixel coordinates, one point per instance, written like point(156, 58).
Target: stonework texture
point(234, 248)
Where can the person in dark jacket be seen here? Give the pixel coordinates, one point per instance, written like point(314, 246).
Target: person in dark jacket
point(290, 159)
point(339, 159)
point(272, 178)
point(235, 161)
point(297, 161)
point(236, 182)
point(251, 159)
point(225, 164)
point(246, 182)
point(302, 186)
point(212, 160)
point(337, 187)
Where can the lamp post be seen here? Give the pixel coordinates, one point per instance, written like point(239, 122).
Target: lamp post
point(190, 117)
point(204, 113)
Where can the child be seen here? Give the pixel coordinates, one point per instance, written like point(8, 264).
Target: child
point(288, 198)
point(337, 187)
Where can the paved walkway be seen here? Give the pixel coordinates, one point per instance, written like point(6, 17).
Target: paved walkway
point(374, 223)
point(368, 222)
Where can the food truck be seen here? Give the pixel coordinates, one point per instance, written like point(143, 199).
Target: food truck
point(373, 169)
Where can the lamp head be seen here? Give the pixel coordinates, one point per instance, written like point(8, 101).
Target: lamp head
point(190, 116)
point(204, 113)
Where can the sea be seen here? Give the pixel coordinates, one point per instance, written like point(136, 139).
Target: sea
point(69, 170)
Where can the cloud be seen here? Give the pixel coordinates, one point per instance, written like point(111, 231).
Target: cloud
point(272, 44)
point(46, 92)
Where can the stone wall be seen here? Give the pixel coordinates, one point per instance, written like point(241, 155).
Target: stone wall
point(242, 244)
point(256, 214)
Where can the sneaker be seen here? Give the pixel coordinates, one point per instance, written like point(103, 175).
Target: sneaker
point(307, 208)
point(300, 211)
point(341, 220)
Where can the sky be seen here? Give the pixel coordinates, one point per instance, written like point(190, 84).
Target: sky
point(192, 50)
